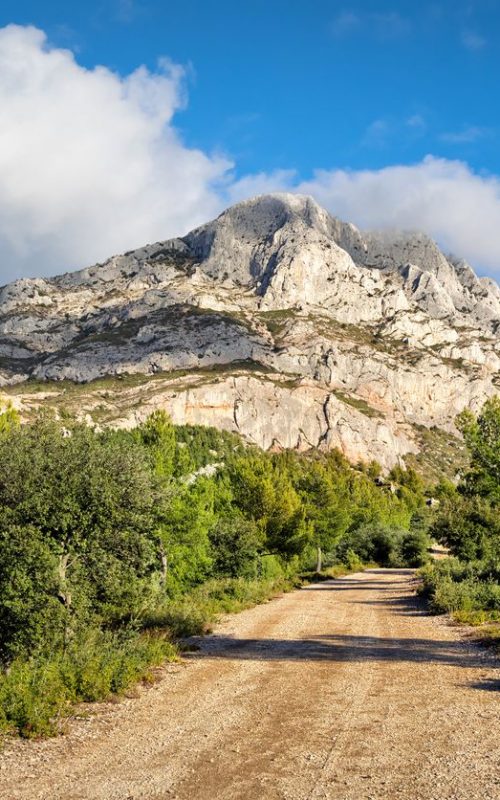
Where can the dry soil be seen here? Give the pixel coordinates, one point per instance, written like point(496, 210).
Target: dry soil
point(345, 689)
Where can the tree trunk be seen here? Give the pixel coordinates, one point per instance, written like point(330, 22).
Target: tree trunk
point(259, 565)
point(164, 565)
point(64, 593)
point(319, 559)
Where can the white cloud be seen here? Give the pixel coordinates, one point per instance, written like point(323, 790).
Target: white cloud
point(382, 132)
point(473, 41)
point(345, 22)
point(465, 136)
point(457, 207)
point(446, 199)
point(388, 25)
point(90, 163)
point(260, 183)
point(377, 133)
point(416, 123)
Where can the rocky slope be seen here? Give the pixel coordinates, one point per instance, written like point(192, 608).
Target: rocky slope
point(276, 320)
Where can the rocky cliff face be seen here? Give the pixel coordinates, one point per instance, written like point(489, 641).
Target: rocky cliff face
point(276, 320)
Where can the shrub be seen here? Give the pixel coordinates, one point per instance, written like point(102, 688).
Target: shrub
point(456, 586)
point(36, 694)
point(413, 548)
point(33, 697)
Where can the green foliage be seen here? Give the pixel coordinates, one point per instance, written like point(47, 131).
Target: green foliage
point(263, 491)
point(469, 519)
point(469, 524)
point(353, 561)
point(184, 537)
point(414, 548)
point(78, 515)
point(158, 435)
point(31, 611)
point(9, 419)
point(35, 694)
point(385, 545)
point(456, 585)
point(482, 437)
point(324, 498)
point(191, 614)
point(106, 534)
point(33, 697)
point(235, 543)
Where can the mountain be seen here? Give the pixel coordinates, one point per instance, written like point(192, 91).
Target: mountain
point(276, 320)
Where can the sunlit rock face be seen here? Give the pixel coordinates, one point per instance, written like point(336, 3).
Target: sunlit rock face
point(276, 320)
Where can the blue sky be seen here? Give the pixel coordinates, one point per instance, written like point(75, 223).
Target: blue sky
point(325, 97)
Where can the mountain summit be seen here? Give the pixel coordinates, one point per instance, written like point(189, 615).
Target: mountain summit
point(276, 320)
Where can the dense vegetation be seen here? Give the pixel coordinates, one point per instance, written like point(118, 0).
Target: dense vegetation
point(114, 543)
point(468, 523)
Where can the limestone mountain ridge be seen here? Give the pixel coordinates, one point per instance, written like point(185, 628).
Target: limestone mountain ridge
point(276, 320)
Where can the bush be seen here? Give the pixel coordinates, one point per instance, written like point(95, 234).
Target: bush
point(105, 534)
point(353, 561)
point(413, 548)
point(33, 697)
point(36, 694)
point(193, 613)
point(31, 613)
point(456, 586)
point(385, 545)
point(235, 544)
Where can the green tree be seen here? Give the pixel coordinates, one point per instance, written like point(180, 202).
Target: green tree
point(482, 436)
point(92, 501)
point(9, 418)
point(187, 518)
point(236, 543)
point(468, 519)
point(325, 504)
point(158, 435)
point(264, 492)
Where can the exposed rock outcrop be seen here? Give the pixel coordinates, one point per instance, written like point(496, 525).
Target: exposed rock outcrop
point(277, 320)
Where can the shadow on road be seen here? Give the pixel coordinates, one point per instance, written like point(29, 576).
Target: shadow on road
point(348, 583)
point(411, 606)
point(340, 648)
point(488, 685)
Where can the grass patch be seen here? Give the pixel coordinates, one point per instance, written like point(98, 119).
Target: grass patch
point(489, 635)
point(486, 625)
point(37, 694)
point(358, 404)
point(468, 591)
point(194, 613)
point(277, 321)
point(441, 455)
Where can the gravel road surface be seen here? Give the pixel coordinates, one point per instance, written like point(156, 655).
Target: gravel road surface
point(345, 690)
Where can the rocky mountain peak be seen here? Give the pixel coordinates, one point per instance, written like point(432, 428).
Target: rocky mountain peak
point(243, 243)
point(275, 319)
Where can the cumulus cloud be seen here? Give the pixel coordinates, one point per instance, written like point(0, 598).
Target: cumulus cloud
point(457, 207)
point(446, 199)
point(90, 162)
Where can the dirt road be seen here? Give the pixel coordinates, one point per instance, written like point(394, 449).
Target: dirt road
point(343, 690)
